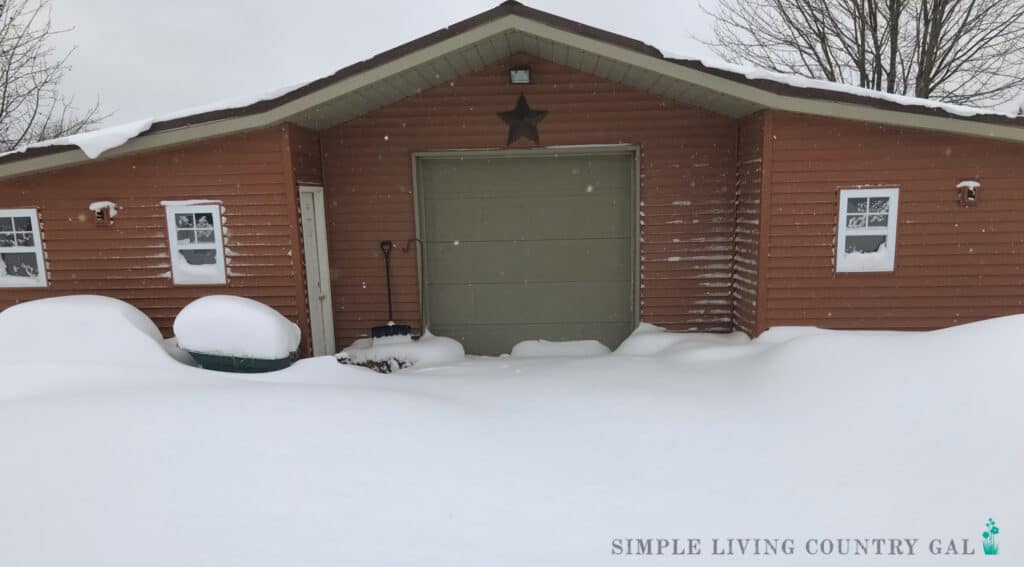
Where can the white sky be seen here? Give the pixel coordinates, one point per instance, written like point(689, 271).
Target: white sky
point(149, 57)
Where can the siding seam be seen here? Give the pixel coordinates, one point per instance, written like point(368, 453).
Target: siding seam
point(298, 257)
point(763, 255)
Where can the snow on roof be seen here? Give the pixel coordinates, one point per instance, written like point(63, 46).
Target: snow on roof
point(96, 142)
point(758, 74)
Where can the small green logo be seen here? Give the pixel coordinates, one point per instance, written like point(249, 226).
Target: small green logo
point(989, 541)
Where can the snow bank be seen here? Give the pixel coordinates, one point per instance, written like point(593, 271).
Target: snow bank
point(651, 340)
point(510, 462)
point(80, 329)
point(235, 326)
point(316, 371)
point(176, 352)
point(542, 348)
point(646, 340)
point(429, 349)
point(776, 335)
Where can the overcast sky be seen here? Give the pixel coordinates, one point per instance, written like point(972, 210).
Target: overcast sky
point(144, 58)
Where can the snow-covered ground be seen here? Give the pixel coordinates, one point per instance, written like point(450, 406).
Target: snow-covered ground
point(115, 454)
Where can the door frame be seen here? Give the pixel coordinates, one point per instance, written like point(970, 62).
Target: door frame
point(323, 266)
point(581, 150)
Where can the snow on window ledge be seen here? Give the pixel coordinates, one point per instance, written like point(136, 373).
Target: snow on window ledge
point(184, 273)
point(880, 260)
point(7, 280)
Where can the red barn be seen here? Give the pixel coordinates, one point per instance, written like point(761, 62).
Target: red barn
point(539, 178)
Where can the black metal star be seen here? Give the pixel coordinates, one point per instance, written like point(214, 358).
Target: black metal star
point(522, 121)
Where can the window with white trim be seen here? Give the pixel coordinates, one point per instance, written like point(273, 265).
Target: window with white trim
point(21, 249)
point(867, 230)
point(197, 245)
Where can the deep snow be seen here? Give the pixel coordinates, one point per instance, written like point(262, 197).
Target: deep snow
point(133, 459)
point(543, 348)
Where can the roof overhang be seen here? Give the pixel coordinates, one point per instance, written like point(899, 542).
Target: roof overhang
point(491, 37)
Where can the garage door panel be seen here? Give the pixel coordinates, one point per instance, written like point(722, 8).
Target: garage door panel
point(549, 261)
point(510, 303)
point(481, 338)
point(590, 216)
point(551, 175)
point(552, 303)
point(519, 218)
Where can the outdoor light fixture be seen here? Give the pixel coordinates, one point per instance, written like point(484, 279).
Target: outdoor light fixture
point(519, 75)
point(105, 211)
point(967, 192)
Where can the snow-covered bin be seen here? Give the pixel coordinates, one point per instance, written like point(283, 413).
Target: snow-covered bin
point(236, 334)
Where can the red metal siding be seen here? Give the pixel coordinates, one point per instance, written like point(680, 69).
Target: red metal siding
point(688, 167)
point(305, 155)
point(953, 264)
point(746, 239)
point(130, 259)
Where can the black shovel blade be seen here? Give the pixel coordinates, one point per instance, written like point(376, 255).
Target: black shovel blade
point(391, 331)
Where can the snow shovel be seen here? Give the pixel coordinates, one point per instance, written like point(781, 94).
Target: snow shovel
point(390, 329)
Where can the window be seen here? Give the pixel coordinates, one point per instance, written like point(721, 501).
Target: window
point(867, 230)
point(21, 249)
point(197, 249)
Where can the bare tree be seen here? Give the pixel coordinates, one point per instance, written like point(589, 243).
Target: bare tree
point(959, 51)
point(32, 107)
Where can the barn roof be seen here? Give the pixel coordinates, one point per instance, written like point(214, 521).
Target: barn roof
point(488, 38)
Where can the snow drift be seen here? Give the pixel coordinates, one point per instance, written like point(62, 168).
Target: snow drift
point(428, 349)
point(542, 348)
point(80, 329)
point(801, 433)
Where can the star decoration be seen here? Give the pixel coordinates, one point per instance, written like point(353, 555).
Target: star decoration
point(522, 121)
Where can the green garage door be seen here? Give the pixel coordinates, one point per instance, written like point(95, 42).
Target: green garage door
point(528, 247)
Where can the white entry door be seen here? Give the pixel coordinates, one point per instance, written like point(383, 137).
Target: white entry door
point(318, 272)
